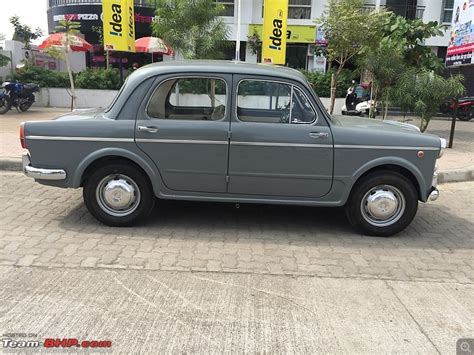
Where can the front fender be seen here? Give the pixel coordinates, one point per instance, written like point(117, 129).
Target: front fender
point(144, 162)
point(391, 160)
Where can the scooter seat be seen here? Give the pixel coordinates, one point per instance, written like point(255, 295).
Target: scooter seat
point(31, 86)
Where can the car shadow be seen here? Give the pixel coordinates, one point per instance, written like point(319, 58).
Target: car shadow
point(433, 227)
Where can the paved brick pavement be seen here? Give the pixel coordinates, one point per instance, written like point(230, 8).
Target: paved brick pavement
point(50, 227)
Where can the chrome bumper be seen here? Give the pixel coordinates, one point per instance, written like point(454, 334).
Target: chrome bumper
point(434, 194)
point(39, 173)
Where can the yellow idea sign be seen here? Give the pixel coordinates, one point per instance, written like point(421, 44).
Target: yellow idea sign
point(275, 18)
point(118, 25)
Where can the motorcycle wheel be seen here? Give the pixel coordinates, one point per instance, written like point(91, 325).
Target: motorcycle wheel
point(465, 114)
point(25, 106)
point(4, 105)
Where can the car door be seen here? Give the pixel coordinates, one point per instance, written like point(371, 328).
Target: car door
point(183, 127)
point(279, 145)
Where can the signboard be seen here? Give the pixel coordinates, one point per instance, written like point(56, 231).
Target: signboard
point(91, 16)
point(320, 38)
point(119, 25)
point(319, 64)
point(294, 33)
point(275, 18)
point(461, 43)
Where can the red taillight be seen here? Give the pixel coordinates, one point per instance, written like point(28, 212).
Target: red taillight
point(22, 135)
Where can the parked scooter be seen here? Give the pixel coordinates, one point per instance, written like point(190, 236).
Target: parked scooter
point(358, 102)
point(17, 95)
point(465, 108)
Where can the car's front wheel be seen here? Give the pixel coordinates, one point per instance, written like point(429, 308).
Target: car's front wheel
point(382, 204)
point(118, 194)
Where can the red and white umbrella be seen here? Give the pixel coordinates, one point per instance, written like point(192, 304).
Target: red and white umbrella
point(76, 43)
point(152, 45)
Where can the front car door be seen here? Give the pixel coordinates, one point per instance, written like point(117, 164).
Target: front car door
point(183, 127)
point(280, 145)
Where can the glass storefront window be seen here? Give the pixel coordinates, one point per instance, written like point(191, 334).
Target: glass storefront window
point(228, 7)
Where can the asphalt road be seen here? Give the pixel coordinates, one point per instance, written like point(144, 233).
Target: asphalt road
point(207, 278)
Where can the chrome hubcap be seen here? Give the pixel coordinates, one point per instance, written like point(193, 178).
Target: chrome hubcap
point(118, 195)
point(383, 205)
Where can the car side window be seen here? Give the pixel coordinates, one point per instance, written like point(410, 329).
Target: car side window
point(263, 101)
point(301, 111)
point(192, 98)
point(272, 102)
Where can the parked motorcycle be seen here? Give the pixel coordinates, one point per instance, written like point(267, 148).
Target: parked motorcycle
point(358, 102)
point(18, 95)
point(465, 108)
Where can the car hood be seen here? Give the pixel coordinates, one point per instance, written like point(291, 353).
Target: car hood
point(83, 114)
point(371, 123)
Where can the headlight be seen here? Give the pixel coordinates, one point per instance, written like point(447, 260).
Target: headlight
point(443, 147)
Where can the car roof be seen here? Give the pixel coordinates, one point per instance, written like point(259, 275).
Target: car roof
point(216, 66)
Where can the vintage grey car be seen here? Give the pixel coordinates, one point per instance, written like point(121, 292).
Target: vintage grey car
point(232, 132)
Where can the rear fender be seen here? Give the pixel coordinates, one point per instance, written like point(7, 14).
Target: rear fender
point(145, 163)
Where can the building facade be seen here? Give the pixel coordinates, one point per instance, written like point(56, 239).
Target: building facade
point(302, 14)
point(301, 25)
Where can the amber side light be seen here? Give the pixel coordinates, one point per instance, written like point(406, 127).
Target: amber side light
point(22, 135)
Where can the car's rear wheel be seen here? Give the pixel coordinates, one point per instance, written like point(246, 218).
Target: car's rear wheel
point(382, 204)
point(118, 194)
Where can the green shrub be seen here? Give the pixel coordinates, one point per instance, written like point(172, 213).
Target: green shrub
point(87, 79)
point(42, 77)
point(105, 79)
point(321, 82)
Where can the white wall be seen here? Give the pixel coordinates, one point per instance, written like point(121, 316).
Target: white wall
point(57, 97)
point(432, 12)
point(77, 59)
point(6, 70)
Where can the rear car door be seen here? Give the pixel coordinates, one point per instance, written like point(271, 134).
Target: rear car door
point(280, 145)
point(184, 128)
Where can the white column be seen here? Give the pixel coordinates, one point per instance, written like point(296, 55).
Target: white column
point(237, 40)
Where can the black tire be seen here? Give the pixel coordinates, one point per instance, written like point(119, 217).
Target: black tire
point(4, 105)
point(381, 183)
point(122, 174)
point(25, 106)
point(465, 114)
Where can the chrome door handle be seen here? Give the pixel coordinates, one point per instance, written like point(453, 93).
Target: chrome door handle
point(149, 129)
point(319, 135)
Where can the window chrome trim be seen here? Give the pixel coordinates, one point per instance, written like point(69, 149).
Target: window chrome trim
point(180, 141)
point(291, 101)
point(74, 138)
point(352, 146)
point(194, 76)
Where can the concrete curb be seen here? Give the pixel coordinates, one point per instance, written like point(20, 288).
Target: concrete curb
point(455, 175)
point(11, 164)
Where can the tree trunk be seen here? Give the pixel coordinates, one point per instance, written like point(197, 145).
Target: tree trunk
point(333, 94)
point(424, 123)
point(213, 93)
point(334, 78)
point(71, 80)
